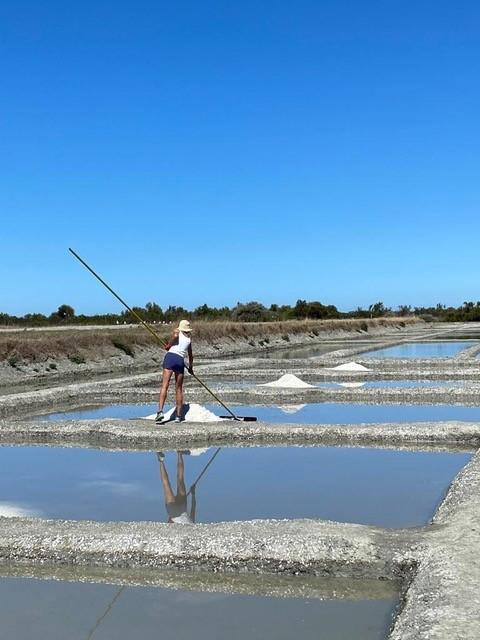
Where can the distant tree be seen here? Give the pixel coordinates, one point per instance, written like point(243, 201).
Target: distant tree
point(360, 312)
point(6, 319)
point(274, 312)
point(300, 310)
point(204, 312)
point(404, 310)
point(176, 313)
point(65, 312)
point(250, 312)
point(35, 318)
point(319, 311)
point(377, 310)
point(153, 312)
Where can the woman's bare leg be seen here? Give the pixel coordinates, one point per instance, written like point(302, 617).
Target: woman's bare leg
point(166, 376)
point(181, 490)
point(179, 393)
point(167, 488)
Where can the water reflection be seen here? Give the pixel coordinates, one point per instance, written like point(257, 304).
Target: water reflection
point(176, 504)
point(291, 408)
point(368, 486)
point(9, 510)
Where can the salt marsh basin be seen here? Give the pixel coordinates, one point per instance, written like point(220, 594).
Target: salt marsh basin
point(422, 350)
point(79, 610)
point(304, 413)
point(367, 486)
point(356, 484)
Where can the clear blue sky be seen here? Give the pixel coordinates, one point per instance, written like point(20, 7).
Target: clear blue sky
point(229, 151)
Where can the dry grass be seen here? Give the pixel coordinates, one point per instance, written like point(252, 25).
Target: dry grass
point(40, 346)
point(81, 345)
point(212, 331)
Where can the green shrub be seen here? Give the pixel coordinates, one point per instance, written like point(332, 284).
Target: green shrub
point(76, 359)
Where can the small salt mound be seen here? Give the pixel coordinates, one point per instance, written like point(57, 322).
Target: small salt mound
point(351, 385)
point(291, 408)
point(349, 366)
point(191, 412)
point(288, 381)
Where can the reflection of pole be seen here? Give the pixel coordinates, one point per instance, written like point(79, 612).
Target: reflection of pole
point(204, 469)
point(106, 612)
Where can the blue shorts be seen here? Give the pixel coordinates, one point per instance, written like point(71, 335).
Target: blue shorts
point(174, 362)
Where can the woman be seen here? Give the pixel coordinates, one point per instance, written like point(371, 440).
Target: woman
point(174, 362)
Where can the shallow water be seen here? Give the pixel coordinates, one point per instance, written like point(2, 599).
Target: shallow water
point(52, 610)
point(308, 351)
point(366, 384)
point(355, 413)
point(370, 486)
point(390, 384)
point(289, 411)
point(421, 350)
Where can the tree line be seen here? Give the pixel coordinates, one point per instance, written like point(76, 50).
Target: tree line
point(245, 312)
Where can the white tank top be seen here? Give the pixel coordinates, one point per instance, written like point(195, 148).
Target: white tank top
point(182, 347)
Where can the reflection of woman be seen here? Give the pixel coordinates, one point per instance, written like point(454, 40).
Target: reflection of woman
point(174, 363)
point(176, 505)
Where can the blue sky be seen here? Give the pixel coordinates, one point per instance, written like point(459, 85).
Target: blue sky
point(220, 152)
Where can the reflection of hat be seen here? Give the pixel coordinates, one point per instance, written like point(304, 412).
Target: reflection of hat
point(184, 325)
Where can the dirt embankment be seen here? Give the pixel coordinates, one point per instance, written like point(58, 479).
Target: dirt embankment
point(33, 356)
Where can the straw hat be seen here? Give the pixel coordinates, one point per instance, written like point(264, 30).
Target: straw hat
point(184, 326)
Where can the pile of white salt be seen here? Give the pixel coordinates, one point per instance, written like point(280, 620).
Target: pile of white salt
point(349, 366)
point(288, 381)
point(192, 413)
